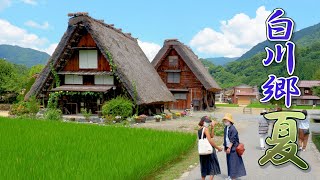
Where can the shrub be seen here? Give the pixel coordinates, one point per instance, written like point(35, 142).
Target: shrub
point(53, 114)
point(219, 129)
point(30, 107)
point(86, 113)
point(19, 108)
point(109, 119)
point(119, 106)
point(33, 105)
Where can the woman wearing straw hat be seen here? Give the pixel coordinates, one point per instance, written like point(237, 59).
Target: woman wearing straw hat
point(209, 164)
point(231, 141)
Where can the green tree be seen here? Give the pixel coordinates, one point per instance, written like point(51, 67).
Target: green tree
point(316, 90)
point(35, 69)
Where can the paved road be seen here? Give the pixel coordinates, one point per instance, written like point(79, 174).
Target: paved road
point(247, 126)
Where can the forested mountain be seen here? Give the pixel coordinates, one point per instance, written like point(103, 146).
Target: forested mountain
point(221, 60)
point(304, 37)
point(23, 56)
point(251, 71)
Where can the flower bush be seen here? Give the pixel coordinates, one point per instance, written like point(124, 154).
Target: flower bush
point(109, 119)
point(30, 107)
point(143, 116)
point(157, 117)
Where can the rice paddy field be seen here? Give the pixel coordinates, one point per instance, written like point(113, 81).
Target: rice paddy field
point(38, 149)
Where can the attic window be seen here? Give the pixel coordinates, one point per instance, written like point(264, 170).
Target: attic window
point(88, 59)
point(173, 77)
point(173, 61)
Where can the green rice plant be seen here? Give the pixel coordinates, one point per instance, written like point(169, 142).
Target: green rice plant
point(227, 105)
point(31, 149)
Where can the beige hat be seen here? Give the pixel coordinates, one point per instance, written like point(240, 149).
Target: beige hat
point(228, 117)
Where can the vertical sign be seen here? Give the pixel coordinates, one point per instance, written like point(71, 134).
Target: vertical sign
point(283, 146)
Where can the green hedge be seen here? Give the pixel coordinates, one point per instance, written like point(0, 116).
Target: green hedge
point(120, 106)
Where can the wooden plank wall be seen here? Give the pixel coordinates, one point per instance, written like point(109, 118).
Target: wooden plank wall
point(187, 81)
point(73, 63)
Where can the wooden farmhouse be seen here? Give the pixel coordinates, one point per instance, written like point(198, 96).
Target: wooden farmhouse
point(185, 76)
point(96, 62)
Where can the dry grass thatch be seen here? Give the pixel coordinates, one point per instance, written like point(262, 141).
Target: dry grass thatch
point(132, 66)
point(191, 60)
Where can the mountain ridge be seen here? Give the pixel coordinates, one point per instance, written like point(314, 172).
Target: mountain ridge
point(302, 37)
point(23, 56)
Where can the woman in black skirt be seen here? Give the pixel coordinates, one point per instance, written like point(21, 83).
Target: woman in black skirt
point(209, 164)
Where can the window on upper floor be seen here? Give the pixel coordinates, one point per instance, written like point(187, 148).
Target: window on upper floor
point(173, 77)
point(181, 96)
point(103, 80)
point(173, 61)
point(88, 59)
point(73, 79)
point(307, 91)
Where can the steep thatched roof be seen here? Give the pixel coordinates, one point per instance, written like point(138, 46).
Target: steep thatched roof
point(190, 59)
point(132, 66)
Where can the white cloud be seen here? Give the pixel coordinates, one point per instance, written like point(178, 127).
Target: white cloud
point(31, 2)
point(13, 35)
point(236, 36)
point(51, 48)
point(150, 49)
point(4, 4)
point(44, 25)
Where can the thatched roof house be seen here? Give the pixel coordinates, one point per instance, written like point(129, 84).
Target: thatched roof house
point(125, 59)
point(175, 57)
point(190, 59)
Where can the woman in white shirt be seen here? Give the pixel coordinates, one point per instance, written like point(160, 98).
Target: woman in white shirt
point(304, 131)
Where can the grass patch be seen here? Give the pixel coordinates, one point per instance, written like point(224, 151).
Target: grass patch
point(35, 149)
point(316, 140)
point(304, 107)
point(268, 106)
point(175, 169)
point(227, 105)
point(259, 105)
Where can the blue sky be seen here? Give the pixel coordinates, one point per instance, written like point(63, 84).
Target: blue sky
point(40, 24)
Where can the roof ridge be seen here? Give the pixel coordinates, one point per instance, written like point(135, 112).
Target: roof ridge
point(175, 40)
point(110, 26)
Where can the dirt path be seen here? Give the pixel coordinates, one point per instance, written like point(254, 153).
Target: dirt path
point(4, 113)
point(189, 124)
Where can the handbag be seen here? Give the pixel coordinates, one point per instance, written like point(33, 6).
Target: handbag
point(204, 146)
point(240, 149)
